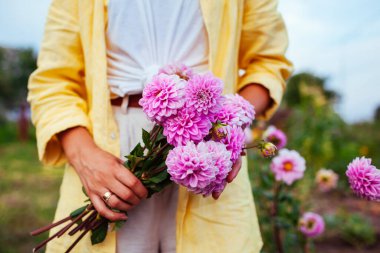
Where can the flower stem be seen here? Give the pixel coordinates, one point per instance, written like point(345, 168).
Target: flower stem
point(81, 236)
point(306, 248)
point(162, 149)
point(48, 227)
point(89, 219)
point(251, 145)
point(156, 129)
point(276, 228)
point(63, 230)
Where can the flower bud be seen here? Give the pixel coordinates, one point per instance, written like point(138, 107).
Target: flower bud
point(268, 149)
point(218, 131)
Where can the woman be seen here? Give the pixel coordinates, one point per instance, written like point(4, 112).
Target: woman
point(95, 58)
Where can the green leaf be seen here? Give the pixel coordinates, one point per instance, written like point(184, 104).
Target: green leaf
point(84, 191)
point(268, 195)
point(100, 233)
point(159, 177)
point(138, 150)
point(282, 223)
point(119, 224)
point(160, 137)
point(78, 211)
point(146, 138)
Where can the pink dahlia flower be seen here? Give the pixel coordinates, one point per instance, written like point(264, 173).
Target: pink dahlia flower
point(179, 69)
point(191, 167)
point(364, 178)
point(221, 157)
point(326, 180)
point(162, 97)
point(222, 161)
point(245, 112)
point(311, 224)
point(234, 141)
point(288, 166)
point(203, 93)
point(227, 114)
point(276, 136)
point(186, 126)
point(213, 187)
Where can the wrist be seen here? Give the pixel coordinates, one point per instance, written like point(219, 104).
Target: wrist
point(76, 142)
point(258, 96)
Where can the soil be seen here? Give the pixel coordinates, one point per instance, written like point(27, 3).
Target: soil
point(332, 203)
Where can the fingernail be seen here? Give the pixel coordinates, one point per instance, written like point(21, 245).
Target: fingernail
point(125, 217)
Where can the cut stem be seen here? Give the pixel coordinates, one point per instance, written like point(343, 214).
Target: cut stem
point(63, 230)
point(50, 226)
point(90, 218)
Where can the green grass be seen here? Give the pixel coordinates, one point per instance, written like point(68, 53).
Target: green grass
point(28, 196)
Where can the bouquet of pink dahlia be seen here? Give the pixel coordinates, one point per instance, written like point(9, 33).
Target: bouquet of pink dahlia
point(197, 136)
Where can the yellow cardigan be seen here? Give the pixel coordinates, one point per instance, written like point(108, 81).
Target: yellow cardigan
point(69, 88)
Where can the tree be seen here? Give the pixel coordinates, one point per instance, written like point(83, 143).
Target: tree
point(377, 114)
point(306, 87)
point(16, 65)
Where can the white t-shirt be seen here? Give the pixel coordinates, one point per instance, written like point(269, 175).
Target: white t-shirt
point(144, 35)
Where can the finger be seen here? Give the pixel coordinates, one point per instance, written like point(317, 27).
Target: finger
point(124, 193)
point(116, 203)
point(235, 170)
point(216, 195)
point(128, 179)
point(120, 160)
point(104, 211)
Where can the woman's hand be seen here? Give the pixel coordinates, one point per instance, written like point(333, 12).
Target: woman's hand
point(230, 177)
point(101, 172)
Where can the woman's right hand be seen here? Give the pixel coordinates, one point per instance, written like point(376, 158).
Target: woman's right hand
point(101, 172)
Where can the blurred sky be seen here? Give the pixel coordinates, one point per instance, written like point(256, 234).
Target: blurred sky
point(337, 39)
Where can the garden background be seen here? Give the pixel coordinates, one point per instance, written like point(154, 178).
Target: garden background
point(330, 113)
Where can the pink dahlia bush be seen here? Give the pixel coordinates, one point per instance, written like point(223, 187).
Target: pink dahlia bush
point(311, 224)
point(275, 136)
point(326, 180)
point(203, 93)
point(162, 97)
point(201, 168)
point(288, 166)
point(234, 141)
point(364, 178)
point(179, 69)
point(186, 126)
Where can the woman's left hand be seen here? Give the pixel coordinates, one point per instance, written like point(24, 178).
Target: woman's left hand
point(231, 176)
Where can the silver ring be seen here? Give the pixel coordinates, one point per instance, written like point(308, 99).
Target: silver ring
point(106, 196)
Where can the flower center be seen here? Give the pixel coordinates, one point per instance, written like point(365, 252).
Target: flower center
point(182, 75)
point(201, 96)
point(274, 140)
point(310, 224)
point(325, 179)
point(288, 166)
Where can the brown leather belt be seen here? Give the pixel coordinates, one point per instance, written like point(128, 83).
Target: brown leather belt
point(133, 101)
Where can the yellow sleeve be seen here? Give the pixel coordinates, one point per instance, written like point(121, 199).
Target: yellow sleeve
point(57, 93)
point(263, 44)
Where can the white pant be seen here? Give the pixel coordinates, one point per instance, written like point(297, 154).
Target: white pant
point(150, 227)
